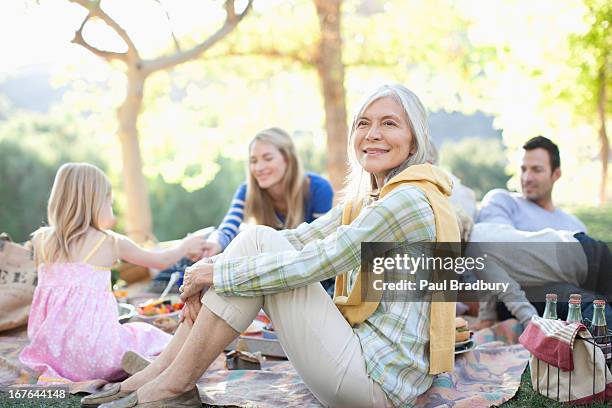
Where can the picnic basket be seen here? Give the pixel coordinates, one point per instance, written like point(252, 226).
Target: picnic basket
point(588, 381)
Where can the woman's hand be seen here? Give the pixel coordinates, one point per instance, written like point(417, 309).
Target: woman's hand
point(196, 278)
point(211, 249)
point(193, 246)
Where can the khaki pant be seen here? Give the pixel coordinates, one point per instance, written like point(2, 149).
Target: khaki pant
point(317, 340)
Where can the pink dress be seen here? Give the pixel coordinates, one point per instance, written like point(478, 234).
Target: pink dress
point(74, 330)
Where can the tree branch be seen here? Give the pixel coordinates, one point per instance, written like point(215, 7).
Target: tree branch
point(177, 46)
point(107, 55)
point(231, 21)
point(96, 11)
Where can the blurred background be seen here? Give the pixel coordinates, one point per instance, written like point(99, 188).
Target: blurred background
point(164, 95)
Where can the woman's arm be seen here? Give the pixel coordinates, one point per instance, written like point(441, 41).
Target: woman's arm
point(127, 250)
point(318, 229)
point(404, 215)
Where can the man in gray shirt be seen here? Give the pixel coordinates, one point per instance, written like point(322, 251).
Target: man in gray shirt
point(571, 261)
point(534, 210)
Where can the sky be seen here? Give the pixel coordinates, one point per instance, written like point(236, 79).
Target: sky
point(39, 32)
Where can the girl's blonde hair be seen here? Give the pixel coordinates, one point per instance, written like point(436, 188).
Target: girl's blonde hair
point(358, 186)
point(258, 205)
point(78, 194)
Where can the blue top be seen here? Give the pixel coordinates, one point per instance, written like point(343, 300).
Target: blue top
point(502, 207)
point(316, 203)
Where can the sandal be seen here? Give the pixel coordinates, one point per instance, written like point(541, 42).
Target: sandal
point(110, 392)
point(132, 362)
point(188, 399)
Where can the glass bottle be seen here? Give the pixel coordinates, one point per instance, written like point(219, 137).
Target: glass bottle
point(574, 314)
point(599, 328)
point(550, 312)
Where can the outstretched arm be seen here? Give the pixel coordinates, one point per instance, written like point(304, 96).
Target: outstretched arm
point(129, 251)
point(229, 227)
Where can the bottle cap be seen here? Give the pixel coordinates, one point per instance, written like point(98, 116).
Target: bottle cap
point(551, 296)
point(574, 302)
point(577, 296)
point(599, 302)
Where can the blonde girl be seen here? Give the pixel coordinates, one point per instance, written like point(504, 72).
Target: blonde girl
point(73, 325)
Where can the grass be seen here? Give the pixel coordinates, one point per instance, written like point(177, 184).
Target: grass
point(597, 221)
point(71, 401)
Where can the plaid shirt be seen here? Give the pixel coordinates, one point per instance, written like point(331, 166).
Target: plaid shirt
point(394, 339)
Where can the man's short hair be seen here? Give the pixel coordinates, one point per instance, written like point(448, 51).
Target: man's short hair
point(546, 144)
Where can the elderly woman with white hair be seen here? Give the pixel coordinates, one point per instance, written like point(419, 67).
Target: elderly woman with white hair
point(349, 353)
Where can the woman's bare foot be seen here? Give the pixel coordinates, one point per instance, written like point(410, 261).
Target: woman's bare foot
point(160, 363)
point(160, 389)
point(139, 379)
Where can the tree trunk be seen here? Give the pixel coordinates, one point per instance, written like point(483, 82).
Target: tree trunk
point(603, 135)
point(139, 226)
point(331, 75)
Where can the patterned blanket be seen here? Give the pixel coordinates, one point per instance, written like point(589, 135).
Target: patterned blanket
point(487, 376)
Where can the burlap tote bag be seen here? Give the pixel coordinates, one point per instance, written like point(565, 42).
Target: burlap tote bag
point(17, 283)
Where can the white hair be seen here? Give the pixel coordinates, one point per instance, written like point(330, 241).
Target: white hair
point(357, 186)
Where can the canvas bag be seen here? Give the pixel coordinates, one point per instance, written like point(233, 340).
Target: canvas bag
point(586, 356)
point(18, 278)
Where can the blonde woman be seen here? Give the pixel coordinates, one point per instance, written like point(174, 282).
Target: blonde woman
point(347, 353)
point(73, 326)
point(277, 192)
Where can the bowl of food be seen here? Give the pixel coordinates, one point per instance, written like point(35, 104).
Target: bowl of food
point(158, 308)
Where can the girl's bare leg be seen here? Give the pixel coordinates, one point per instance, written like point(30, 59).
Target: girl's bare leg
point(160, 363)
point(207, 339)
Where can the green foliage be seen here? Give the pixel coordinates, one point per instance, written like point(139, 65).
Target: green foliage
point(26, 182)
point(479, 163)
point(590, 55)
point(32, 148)
point(177, 211)
point(597, 221)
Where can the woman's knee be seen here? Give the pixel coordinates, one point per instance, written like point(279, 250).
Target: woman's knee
point(261, 232)
point(256, 240)
point(238, 312)
point(245, 243)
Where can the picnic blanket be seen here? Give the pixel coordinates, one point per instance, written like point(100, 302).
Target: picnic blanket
point(489, 375)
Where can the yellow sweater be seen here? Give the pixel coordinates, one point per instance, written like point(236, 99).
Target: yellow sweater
point(437, 187)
